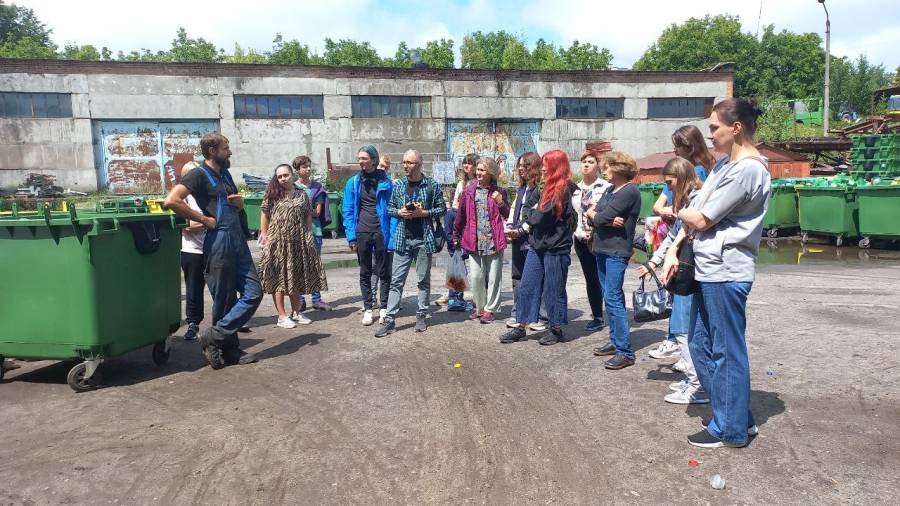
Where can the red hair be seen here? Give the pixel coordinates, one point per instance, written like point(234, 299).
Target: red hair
point(558, 173)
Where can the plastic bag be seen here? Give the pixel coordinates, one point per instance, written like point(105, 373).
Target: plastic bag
point(456, 272)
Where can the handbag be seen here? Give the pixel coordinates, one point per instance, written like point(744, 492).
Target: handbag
point(684, 281)
point(653, 305)
point(439, 238)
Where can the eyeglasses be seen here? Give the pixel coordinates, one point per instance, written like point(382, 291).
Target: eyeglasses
point(407, 162)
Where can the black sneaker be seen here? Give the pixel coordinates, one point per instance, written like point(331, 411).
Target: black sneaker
point(237, 356)
point(618, 361)
point(513, 335)
point(245, 330)
point(213, 355)
point(704, 439)
point(421, 326)
point(192, 331)
point(606, 349)
point(554, 336)
point(386, 328)
point(594, 325)
point(751, 431)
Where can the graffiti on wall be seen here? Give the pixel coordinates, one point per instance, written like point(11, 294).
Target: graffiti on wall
point(503, 140)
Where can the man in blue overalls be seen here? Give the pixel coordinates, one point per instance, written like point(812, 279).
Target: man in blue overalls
point(229, 267)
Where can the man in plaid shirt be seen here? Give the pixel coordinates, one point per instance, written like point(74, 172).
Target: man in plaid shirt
point(415, 203)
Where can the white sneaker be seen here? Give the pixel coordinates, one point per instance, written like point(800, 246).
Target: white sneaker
point(367, 317)
point(677, 386)
point(538, 326)
point(689, 395)
point(381, 314)
point(301, 319)
point(680, 366)
point(511, 322)
point(666, 349)
point(286, 323)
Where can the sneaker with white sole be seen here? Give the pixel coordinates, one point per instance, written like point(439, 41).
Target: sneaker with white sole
point(680, 366)
point(752, 431)
point(381, 314)
point(368, 319)
point(666, 349)
point(301, 319)
point(677, 386)
point(538, 326)
point(689, 395)
point(286, 323)
point(511, 323)
point(321, 305)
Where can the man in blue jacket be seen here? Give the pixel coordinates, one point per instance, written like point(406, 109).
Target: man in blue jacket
point(367, 225)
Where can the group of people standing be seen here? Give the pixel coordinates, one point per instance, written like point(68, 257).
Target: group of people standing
point(391, 224)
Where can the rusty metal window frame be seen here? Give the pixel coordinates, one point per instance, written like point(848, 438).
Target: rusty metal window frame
point(390, 106)
point(679, 107)
point(18, 104)
point(278, 107)
point(590, 107)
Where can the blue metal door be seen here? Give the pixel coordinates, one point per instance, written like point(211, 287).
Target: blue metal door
point(503, 140)
point(143, 156)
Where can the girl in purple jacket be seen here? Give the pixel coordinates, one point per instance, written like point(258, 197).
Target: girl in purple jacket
point(479, 231)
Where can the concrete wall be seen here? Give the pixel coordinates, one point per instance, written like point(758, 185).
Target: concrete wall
point(64, 146)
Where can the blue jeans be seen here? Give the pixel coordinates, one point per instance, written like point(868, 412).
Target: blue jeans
point(719, 349)
point(415, 251)
point(317, 242)
point(612, 276)
point(230, 272)
point(543, 278)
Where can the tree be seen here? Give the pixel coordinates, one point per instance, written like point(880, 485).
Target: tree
point(402, 58)
point(515, 56)
point(438, 54)
point(288, 53)
point(187, 50)
point(346, 52)
point(897, 77)
point(788, 64)
point(585, 57)
point(545, 56)
point(486, 50)
point(26, 47)
point(85, 53)
point(19, 22)
point(248, 56)
point(701, 43)
point(853, 84)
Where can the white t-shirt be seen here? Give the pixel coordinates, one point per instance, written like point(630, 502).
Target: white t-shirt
point(192, 242)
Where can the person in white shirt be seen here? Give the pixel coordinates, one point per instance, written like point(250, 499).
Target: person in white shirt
point(591, 187)
point(192, 265)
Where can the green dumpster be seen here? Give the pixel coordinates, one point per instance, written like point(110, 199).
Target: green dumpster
point(650, 192)
point(334, 207)
point(253, 208)
point(879, 208)
point(783, 212)
point(830, 211)
point(90, 285)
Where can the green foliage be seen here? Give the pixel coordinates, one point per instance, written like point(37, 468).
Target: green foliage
point(288, 53)
point(85, 53)
point(248, 56)
point(188, 50)
point(788, 64)
point(585, 57)
point(896, 77)
point(545, 56)
point(438, 54)
point(402, 58)
point(701, 43)
point(853, 84)
point(485, 50)
point(515, 56)
point(18, 22)
point(346, 52)
point(26, 47)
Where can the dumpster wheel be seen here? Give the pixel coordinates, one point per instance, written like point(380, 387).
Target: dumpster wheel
point(772, 232)
point(161, 353)
point(865, 243)
point(804, 237)
point(839, 241)
point(77, 380)
point(2, 363)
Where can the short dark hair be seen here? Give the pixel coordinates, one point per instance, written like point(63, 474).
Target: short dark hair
point(743, 110)
point(210, 142)
point(300, 161)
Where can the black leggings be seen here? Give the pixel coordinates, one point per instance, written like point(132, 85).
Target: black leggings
point(591, 276)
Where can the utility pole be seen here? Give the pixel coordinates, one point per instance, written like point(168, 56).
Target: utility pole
point(826, 114)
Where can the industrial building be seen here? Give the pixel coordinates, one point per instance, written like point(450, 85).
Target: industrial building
point(129, 127)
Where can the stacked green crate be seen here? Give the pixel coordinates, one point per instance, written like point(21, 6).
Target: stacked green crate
point(876, 155)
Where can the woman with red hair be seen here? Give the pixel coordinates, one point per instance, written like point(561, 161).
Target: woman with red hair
point(548, 224)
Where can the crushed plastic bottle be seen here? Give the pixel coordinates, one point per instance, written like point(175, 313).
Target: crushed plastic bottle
point(717, 482)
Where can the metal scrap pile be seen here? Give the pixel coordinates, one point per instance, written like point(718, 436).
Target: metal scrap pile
point(255, 183)
point(40, 186)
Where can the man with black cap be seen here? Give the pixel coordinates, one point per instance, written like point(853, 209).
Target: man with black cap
point(367, 226)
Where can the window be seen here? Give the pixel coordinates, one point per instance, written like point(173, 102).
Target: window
point(388, 106)
point(691, 107)
point(35, 105)
point(590, 108)
point(278, 107)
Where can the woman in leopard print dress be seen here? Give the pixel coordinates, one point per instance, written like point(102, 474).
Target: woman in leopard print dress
point(289, 262)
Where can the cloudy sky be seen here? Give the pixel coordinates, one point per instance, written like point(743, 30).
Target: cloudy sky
point(627, 28)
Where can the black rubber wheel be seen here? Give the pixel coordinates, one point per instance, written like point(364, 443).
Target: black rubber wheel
point(334, 234)
point(804, 238)
point(160, 355)
point(78, 382)
point(839, 241)
point(772, 232)
point(865, 243)
point(2, 370)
